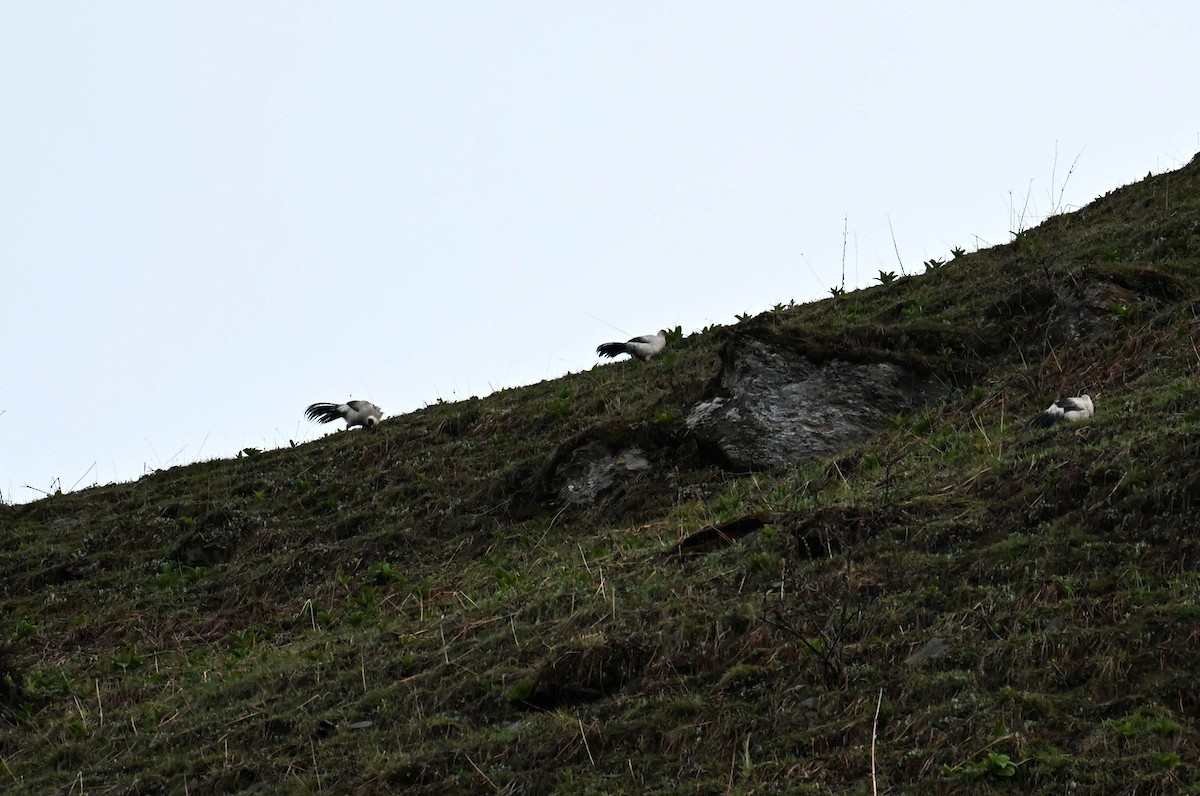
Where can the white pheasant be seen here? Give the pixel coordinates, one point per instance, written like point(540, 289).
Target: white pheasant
point(1065, 410)
point(644, 348)
point(355, 413)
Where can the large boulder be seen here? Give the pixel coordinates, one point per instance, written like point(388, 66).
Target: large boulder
point(772, 406)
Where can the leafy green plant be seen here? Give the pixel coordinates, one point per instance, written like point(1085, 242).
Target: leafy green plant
point(1167, 761)
point(559, 408)
point(996, 764)
point(886, 277)
point(999, 765)
point(39, 683)
point(763, 561)
point(23, 629)
point(1138, 724)
point(367, 598)
point(172, 574)
point(382, 571)
point(519, 691)
point(242, 643)
point(934, 264)
point(125, 660)
point(506, 578)
point(728, 503)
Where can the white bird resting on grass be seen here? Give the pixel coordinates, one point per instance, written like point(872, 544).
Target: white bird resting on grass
point(355, 413)
point(644, 348)
point(1064, 410)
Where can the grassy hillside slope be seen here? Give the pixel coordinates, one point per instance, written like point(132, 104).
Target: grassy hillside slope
point(414, 610)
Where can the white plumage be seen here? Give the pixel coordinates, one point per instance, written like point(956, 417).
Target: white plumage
point(355, 413)
point(1065, 410)
point(644, 348)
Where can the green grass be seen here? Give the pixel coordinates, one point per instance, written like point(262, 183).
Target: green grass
point(415, 610)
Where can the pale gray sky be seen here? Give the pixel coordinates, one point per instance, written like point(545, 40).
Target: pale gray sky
point(215, 213)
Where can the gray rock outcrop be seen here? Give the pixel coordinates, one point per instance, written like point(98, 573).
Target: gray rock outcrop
point(772, 406)
point(592, 469)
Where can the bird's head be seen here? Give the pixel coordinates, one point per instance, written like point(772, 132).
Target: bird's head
point(372, 422)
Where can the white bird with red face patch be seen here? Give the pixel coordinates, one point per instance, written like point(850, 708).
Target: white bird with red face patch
point(644, 348)
point(355, 413)
point(1065, 410)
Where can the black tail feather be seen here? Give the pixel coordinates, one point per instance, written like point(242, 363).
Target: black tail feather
point(611, 349)
point(322, 413)
point(1044, 420)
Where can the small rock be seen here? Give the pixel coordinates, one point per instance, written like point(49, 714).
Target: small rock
point(934, 647)
point(592, 469)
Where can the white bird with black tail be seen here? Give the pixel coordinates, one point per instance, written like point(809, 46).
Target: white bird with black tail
point(1065, 410)
point(355, 413)
point(644, 348)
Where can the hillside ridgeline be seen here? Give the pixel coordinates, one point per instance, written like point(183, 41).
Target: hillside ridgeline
point(569, 588)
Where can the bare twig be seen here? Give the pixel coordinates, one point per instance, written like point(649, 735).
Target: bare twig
point(316, 766)
point(586, 746)
point(896, 247)
point(812, 270)
point(1056, 206)
point(495, 787)
point(1053, 173)
point(874, 729)
point(1016, 224)
point(85, 473)
point(9, 770)
point(845, 235)
point(1025, 207)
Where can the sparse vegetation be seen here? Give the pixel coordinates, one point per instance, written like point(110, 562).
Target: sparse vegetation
point(419, 610)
